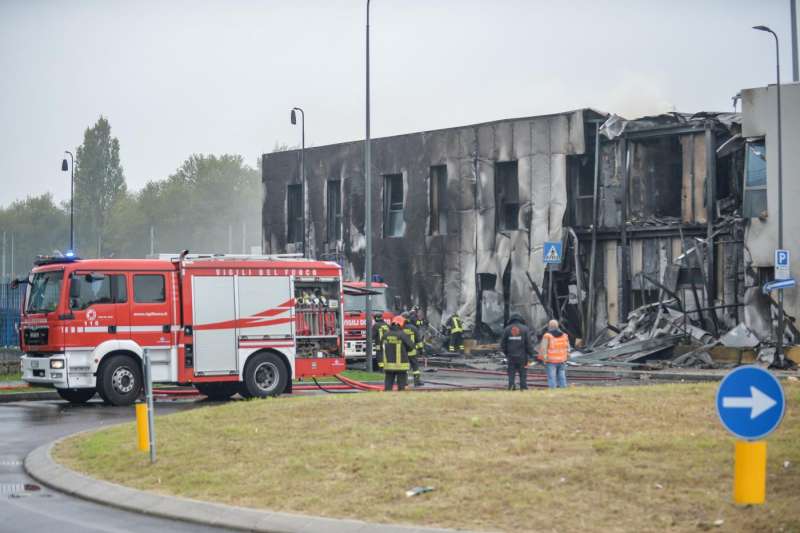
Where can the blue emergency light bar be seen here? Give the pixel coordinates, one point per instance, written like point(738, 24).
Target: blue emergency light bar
point(41, 260)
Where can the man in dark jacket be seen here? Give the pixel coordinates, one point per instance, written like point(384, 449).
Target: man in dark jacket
point(517, 346)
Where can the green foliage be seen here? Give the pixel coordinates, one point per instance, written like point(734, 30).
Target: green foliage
point(38, 227)
point(210, 204)
point(99, 185)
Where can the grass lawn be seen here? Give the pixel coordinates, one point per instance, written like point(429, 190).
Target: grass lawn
point(358, 375)
point(11, 377)
point(605, 459)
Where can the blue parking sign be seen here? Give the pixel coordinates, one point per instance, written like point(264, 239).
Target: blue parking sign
point(783, 261)
point(750, 402)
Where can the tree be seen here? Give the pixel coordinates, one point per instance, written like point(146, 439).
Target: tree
point(38, 227)
point(209, 204)
point(99, 184)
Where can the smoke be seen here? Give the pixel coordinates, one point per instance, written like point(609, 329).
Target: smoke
point(637, 95)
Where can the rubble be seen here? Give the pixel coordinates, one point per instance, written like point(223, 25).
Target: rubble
point(665, 334)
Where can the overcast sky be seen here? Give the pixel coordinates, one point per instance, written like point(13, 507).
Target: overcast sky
point(202, 76)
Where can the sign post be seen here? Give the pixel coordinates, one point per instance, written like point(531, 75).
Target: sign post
point(750, 404)
point(148, 393)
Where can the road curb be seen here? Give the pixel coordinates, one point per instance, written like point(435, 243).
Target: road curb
point(28, 396)
point(39, 464)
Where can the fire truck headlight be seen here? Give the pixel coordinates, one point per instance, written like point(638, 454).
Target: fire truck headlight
point(57, 363)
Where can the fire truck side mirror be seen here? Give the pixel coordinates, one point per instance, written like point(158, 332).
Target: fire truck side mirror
point(74, 288)
point(90, 278)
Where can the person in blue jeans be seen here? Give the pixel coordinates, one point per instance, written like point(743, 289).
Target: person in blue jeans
point(555, 352)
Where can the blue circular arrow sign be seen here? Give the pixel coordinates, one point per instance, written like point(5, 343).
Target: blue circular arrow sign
point(750, 402)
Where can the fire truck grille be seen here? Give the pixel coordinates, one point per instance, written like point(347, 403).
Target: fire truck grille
point(35, 336)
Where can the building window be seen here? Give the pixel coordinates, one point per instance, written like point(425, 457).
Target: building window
point(755, 180)
point(394, 224)
point(581, 170)
point(294, 213)
point(334, 212)
point(506, 195)
point(149, 289)
point(437, 200)
point(644, 297)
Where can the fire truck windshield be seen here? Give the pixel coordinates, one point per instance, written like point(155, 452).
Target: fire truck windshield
point(44, 292)
point(359, 303)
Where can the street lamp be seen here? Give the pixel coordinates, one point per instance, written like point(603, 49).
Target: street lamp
point(779, 349)
point(293, 117)
point(368, 219)
point(64, 168)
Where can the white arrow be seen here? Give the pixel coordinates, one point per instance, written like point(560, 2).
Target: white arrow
point(757, 402)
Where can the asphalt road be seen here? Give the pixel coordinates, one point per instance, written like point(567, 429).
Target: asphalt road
point(24, 508)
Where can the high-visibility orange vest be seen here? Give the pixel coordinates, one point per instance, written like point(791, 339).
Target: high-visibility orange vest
point(557, 348)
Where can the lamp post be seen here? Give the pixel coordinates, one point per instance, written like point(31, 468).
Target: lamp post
point(71, 197)
point(368, 219)
point(779, 348)
point(795, 60)
point(293, 117)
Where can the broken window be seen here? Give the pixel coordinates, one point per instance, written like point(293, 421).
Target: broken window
point(581, 169)
point(656, 177)
point(644, 296)
point(755, 180)
point(486, 281)
point(394, 224)
point(437, 199)
point(294, 213)
point(334, 210)
point(506, 195)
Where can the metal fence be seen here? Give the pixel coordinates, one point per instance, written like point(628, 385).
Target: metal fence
point(10, 305)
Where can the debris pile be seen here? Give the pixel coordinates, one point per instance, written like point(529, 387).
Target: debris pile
point(663, 334)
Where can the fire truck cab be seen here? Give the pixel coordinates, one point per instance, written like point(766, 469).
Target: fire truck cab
point(355, 305)
point(225, 324)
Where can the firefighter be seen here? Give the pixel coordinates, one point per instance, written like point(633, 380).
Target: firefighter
point(395, 348)
point(415, 336)
point(455, 330)
point(419, 318)
point(379, 329)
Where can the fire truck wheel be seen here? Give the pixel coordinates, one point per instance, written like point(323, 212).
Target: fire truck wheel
point(76, 395)
point(119, 381)
point(265, 375)
point(217, 391)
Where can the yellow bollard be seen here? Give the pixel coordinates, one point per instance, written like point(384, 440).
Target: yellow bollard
point(141, 427)
point(750, 472)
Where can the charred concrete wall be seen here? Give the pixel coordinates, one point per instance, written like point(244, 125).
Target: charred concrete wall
point(481, 265)
point(759, 110)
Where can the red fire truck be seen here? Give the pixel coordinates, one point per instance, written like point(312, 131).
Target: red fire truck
point(355, 305)
point(225, 324)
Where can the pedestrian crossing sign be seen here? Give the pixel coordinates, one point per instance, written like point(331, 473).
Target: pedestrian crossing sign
point(552, 253)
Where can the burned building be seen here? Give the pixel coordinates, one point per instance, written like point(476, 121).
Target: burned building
point(460, 214)
point(648, 210)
